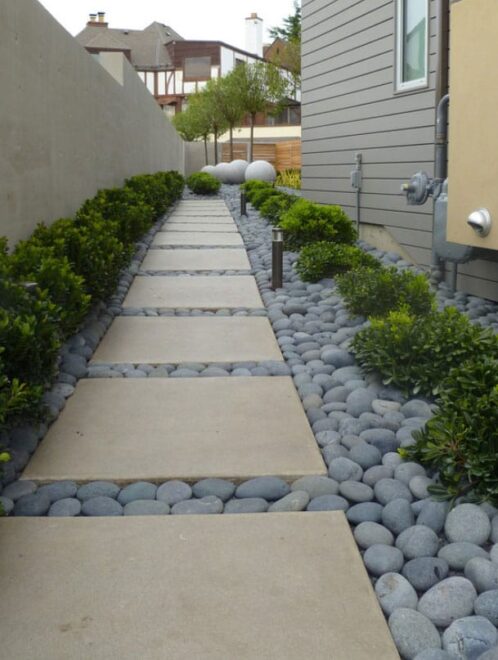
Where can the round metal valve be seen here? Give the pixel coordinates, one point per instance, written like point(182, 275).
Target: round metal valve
point(418, 189)
point(480, 221)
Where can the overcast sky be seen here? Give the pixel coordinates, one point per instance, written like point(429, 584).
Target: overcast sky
point(219, 20)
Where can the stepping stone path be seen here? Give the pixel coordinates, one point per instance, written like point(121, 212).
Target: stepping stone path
point(142, 583)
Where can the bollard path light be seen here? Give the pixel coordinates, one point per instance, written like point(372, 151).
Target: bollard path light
point(243, 203)
point(277, 257)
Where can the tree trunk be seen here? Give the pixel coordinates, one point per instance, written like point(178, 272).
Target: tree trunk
point(231, 142)
point(251, 140)
point(206, 155)
point(216, 147)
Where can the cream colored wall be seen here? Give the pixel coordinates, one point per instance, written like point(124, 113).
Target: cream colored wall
point(265, 133)
point(68, 126)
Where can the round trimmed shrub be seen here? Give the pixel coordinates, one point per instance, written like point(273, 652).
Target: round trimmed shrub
point(322, 259)
point(203, 183)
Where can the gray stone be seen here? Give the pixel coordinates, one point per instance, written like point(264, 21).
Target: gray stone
point(312, 401)
point(371, 533)
point(364, 512)
point(59, 490)
point(383, 439)
point(424, 572)
point(433, 514)
point(433, 654)
point(344, 469)
point(380, 559)
point(328, 503)
point(296, 500)
point(392, 459)
point(337, 394)
point(359, 401)
point(141, 490)
point(492, 654)
point(458, 554)
point(68, 507)
point(450, 599)
point(469, 638)
point(376, 473)
point(324, 438)
point(416, 408)
point(268, 488)
point(173, 492)
point(365, 455)
point(97, 489)
point(316, 486)
point(483, 574)
point(32, 505)
point(405, 471)
point(383, 406)
point(206, 505)
point(324, 426)
point(418, 541)
point(6, 506)
point(387, 490)
point(494, 529)
point(146, 508)
point(210, 372)
point(101, 506)
point(413, 632)
point(218, 487)
point(394, 591)
point(351, 426)
point(18, 489)
point(333, 451)
point(486, 604)
point(397, 516)
point(467, 522)
point(247, 505)
point(25, 438)
point(419, 486)
point(337, 358)
point(356, 491)
point(493, 553)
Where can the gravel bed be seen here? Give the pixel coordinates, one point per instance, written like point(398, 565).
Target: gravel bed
point(435, 571)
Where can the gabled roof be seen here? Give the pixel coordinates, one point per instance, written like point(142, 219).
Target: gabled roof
point(147, 47)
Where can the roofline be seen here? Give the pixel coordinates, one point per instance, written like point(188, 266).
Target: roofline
point(218, 43)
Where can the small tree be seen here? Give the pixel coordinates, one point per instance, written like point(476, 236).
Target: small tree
point(192, 124)
point(262, 88)
point(291, 34)
point(226, 95)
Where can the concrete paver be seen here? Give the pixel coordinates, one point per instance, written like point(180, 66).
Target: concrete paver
point(196, 219)
point(197, 238)
point(203, 211)
point(200, 227)
point(173, 340)
point(196, 291)
point(180, 428)
point(196, 259)
point(254, 587)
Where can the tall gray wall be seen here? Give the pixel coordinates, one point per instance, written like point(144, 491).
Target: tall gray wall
point(69, 125)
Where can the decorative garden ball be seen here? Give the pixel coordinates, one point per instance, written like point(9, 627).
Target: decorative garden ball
point(221, 172)
point(237, 171)
point(261, 170)
point(209, 169)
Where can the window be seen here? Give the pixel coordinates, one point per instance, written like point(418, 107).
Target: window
point(197, 68)
point(412, 52)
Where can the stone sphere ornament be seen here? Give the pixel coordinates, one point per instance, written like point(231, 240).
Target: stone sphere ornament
point(222, 172)
point(261, 170)
point(237, 171)
point(208, 169)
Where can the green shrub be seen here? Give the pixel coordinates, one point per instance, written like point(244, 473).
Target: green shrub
point(174, 181)
point(18, 401)
point(289, 179)
point(461, 440)
point(377, 291)
point(254, 186)
point(203, 183)
point(416, 353)
point(153, 189)
point(259, 197)
point(306, 222)
point(273, 207)
point(56, 280)
point(319, 260)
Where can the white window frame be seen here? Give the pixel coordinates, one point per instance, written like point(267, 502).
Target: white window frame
point(410, 85)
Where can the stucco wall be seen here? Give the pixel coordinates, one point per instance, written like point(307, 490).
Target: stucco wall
point(68, 126)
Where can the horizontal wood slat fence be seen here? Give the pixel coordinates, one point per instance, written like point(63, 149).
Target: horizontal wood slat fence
point(282, 155)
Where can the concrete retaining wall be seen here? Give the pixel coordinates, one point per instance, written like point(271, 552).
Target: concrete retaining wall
point(69, 124)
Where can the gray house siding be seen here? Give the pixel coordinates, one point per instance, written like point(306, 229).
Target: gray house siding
point(349, 105)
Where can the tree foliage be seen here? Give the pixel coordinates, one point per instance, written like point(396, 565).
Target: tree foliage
point(290, 33)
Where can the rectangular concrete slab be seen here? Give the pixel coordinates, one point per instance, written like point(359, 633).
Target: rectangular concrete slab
point(204, 211)
point(173, 340)
point(188, 292)
point(197, 219)
point(287, 586)
point(178, 428)
point(200, 227)
point(196, 259)
point(197, 238)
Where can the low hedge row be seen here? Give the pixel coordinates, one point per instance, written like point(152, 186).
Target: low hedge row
point(74, 263)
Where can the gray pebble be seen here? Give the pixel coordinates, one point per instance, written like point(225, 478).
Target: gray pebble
point(337, 358)
point(424, 572)
point(412, 632)
point(467, 522)
point(32, 505)
point(450, 599)
point(268, 488)
point(418, 541)
point(365, 455)
point(97, 489)
point(383, 406)
point(383, 439)
point(492, 654)
point(416, 408)
point(141, 490)
point(387, 490)
point(483, 574)
point(18, 489)
point(419, 486)
point(328, 503)
point(433, 514)
point(59, 490)
point(324, 438)
point(218, 487)
point(296, 500)
point(458, 554)
point(469, 637)
point(486, 604)
point(397, 516)
point(101, 506)
point(433, 654)
point(493, 553)
point(394, 591)
point(371, 533)
point(376, 473)
point(332, 451)
point(356, 491)
point(392, 459)
point(324, 425)
point(146, 508)
point(359, 401)
point(494, 529)
point(6, 506)
point(24, 438)
point(173, 491)
point(67, 507)
point(380, 559)
point(364, 512)
point(316, 486)
point(206, 505)
point(247, 505)
point(406, 471)
point(344, 469)
point(337, 394)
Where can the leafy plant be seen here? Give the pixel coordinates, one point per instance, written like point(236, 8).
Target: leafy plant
point(259, 197)
point(376, 291)
point(461, 440)
point(289, 179)
point(253, 186)
point(322, 259)
point(153, 191)
point(416, 353)
point(276, 205)
point(306, 222)
point(203, 183)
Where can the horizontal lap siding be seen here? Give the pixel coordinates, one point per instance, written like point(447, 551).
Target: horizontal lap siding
point(349, 105)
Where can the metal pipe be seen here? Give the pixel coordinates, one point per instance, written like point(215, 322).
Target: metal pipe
point(277, 258)
point(441, 151)
point(453, 275)
point(243, 203)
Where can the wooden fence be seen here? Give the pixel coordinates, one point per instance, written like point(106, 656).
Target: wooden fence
point(282, 155)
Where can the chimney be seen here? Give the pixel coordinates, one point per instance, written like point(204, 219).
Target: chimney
point(97, 20)
point(254, 34)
